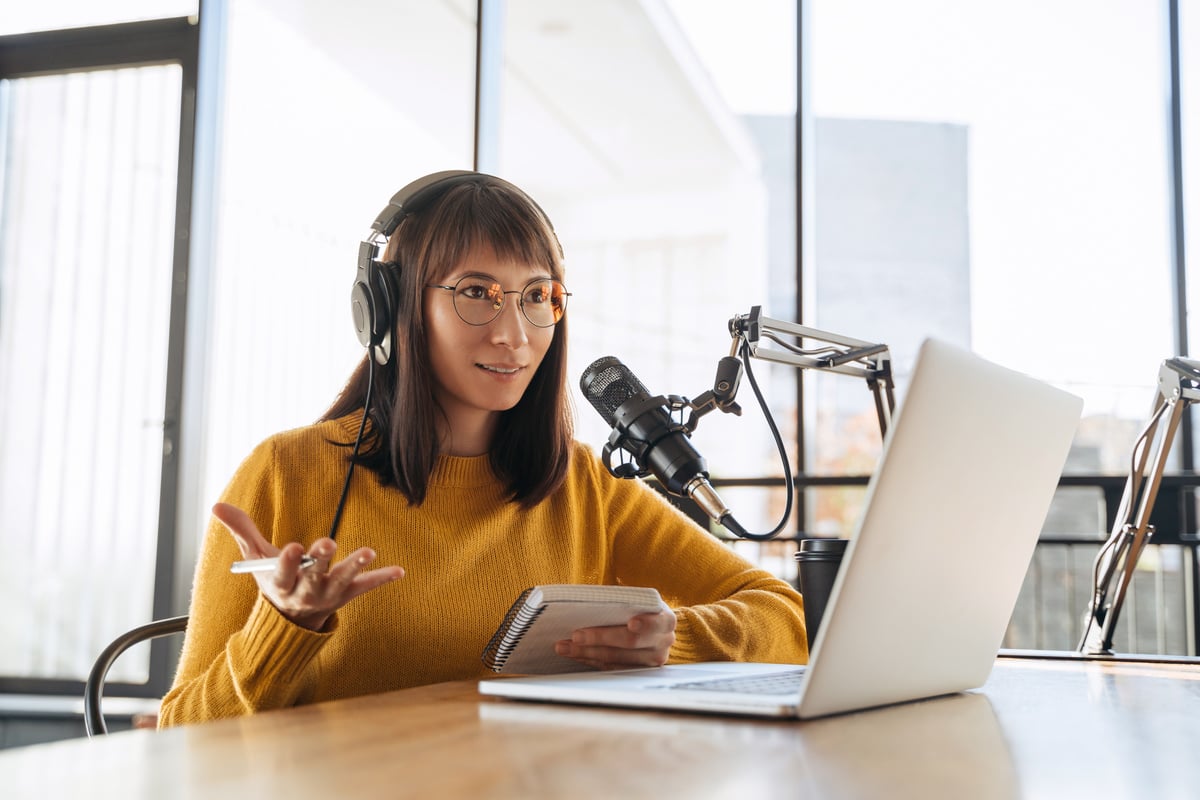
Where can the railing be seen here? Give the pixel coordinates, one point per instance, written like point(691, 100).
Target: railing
point(1161, 615)
point(1157, 618)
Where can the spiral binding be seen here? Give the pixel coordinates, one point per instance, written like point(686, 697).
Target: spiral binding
point(519, 618)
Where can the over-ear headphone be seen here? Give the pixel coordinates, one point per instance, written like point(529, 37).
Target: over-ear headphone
point(374, 298)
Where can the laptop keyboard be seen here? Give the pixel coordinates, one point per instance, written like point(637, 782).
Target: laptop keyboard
point(776, 683)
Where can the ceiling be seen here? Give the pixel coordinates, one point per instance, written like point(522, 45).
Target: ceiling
point(599, 94)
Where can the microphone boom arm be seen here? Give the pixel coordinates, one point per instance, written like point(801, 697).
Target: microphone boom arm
point(836, 353)
point(643, 432)
point(1112, 573)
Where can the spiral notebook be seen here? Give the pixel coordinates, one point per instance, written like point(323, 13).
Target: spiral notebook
point(543, 615)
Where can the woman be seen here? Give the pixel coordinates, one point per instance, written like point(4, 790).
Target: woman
point(469, 489)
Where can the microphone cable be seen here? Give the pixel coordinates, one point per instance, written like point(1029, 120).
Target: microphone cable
point(787, 469)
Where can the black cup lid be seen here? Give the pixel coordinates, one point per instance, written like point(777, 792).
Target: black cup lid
point(823, 545)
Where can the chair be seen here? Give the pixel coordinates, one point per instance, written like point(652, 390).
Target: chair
point(93, 691)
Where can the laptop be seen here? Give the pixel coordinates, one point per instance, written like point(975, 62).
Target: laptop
point(930, 577)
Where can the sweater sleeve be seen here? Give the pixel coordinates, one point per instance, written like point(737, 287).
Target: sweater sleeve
point(240, 655)
point(726, 608)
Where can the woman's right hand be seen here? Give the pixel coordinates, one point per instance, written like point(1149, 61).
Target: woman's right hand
point(308, 597)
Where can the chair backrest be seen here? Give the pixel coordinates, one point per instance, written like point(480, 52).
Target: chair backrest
point(93, 691)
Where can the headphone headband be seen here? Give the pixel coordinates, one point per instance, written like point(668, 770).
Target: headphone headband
point(417, 195)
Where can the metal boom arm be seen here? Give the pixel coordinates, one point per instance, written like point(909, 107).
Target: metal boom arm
point(836, 353)
point(1112, 573)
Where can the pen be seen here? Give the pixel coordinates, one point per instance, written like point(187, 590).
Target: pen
point(266, 564)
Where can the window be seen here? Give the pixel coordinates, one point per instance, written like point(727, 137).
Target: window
point(328, 110)
point(1189, 69)
point(667, 170)
point(994, 177)
point(965, 176)
point(55, 14)
point(89, 414)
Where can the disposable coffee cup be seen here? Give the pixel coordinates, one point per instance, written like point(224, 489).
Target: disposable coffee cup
point(817, 565)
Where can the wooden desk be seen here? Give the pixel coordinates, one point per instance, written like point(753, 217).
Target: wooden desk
point(1044, 729)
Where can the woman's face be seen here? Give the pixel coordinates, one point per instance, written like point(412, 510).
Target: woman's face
point(481, 370)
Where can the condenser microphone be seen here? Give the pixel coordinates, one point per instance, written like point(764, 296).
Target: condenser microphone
point(643, 427)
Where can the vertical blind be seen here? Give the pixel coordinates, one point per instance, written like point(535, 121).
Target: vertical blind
point(89, 167)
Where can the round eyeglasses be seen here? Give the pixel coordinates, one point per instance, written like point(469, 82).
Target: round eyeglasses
point(479, 299)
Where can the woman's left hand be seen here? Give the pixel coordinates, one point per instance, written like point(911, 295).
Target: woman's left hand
point(644, 641)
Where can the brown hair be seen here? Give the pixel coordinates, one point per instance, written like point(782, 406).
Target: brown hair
point(532, 444)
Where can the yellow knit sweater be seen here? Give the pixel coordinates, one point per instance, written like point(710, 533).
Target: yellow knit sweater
point(467, 553)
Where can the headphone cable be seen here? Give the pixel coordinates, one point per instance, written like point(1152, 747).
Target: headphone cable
point(337, 516)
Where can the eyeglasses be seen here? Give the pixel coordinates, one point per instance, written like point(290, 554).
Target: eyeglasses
point(479, 299)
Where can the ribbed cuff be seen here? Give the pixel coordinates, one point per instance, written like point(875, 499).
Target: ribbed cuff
point(683, 651)
point(272, 653)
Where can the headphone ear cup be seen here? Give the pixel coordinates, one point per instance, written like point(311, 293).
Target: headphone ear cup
point(363, 310)
point(387, 295)
point(373, 304)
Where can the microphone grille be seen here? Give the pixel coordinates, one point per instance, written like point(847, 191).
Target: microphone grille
point(607, 384)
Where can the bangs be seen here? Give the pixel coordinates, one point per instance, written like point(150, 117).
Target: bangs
point(472, 216)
